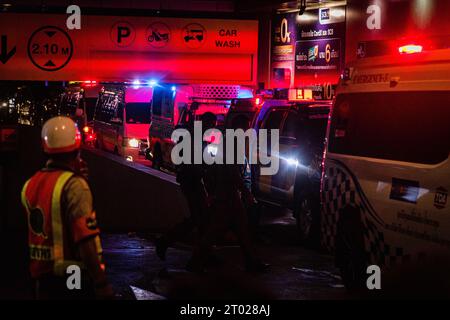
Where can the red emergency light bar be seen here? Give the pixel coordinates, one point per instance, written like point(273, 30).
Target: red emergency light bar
point(410, 49)
point(90, 83)
point(300, 94)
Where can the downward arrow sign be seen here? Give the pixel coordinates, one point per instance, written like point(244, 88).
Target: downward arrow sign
point(4, 54)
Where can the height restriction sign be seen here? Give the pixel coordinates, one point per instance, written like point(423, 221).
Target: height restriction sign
point(50, 48)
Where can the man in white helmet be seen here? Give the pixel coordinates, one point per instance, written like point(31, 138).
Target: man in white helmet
point(62, 228)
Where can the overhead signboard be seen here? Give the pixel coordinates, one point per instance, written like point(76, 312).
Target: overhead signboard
point(40, 47)
point(319, 53)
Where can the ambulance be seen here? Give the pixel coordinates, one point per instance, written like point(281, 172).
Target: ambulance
point(78, 102)
point(175, 105)
point(386, 177)
point(122, 119)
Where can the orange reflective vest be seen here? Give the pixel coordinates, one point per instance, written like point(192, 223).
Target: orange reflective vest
point(41, 197)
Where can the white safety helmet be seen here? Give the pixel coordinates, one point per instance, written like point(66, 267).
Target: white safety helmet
point(60, 135)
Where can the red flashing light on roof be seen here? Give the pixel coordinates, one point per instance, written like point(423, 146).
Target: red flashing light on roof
point(307, 94)
point(300, 94)
point(90, 83)
point(410, 49)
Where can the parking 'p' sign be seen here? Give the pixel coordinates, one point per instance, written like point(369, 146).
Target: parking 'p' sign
point(50, 48)
point(122, 34)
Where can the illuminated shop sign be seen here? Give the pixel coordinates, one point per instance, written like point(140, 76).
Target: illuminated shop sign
point(319, 50)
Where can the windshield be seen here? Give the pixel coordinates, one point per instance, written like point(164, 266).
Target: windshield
point(403, 126)
point(138, 113)
point(69, 103)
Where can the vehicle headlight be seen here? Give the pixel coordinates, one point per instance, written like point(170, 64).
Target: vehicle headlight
point(134, 143)
point(292, 162)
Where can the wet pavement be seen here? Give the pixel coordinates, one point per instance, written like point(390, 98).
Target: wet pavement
point(295, 272)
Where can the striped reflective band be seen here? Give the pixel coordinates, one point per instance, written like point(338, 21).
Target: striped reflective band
point(57, 228)
point(24, 197)
point(56, 253)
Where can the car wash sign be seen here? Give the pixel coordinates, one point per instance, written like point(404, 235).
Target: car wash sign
point(319, 53)
point(105, 48)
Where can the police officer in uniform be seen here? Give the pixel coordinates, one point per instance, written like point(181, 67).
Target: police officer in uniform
point(61, 221)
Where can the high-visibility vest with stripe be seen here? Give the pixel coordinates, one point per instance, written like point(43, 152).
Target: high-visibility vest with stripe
point(41, 197)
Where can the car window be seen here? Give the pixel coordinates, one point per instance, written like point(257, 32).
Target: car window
point(157, 101)
point(274, 118)
point(107, 107)
point(90, 107)
point(402, 126)
point(69, 103)
point(292, 124)
point(167, 104)
point(138, 113)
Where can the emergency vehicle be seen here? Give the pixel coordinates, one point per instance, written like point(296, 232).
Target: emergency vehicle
point(122, 118)
point(175, 105)
point(8, 118)
point(301, 118)
point(386, 176)
point(78, 102)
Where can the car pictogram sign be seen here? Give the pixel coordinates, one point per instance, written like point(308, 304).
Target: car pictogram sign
point(194, 35)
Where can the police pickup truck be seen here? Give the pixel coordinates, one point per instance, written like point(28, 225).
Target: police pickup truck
point(301, 121)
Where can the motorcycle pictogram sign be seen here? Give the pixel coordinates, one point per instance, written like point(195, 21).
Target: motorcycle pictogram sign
point(158, 35)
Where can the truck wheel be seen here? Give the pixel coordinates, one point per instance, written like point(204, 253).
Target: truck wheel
point(157, 158)
point(307, 214)
point(350, 252)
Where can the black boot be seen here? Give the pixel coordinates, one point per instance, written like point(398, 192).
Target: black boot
point(161, 246)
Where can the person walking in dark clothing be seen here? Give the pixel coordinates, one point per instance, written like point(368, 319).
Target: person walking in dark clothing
point(228, 192)
point(190, 178)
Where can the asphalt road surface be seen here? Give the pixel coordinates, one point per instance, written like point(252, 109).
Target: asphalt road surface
point(295, 272)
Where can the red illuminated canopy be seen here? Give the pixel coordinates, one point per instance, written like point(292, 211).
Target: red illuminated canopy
point(128, 48)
